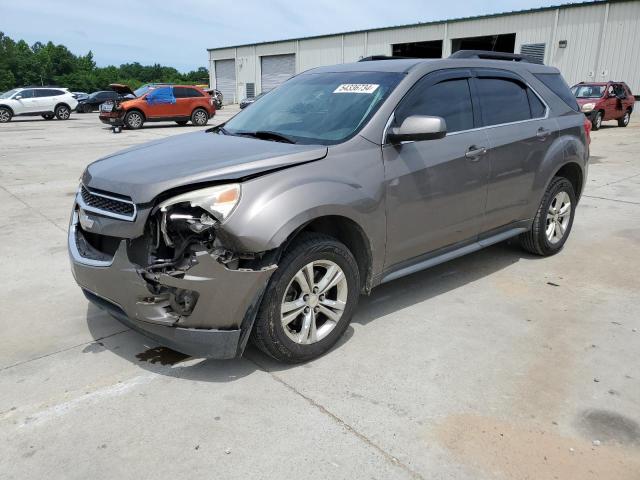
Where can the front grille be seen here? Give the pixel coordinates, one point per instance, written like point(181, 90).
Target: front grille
point(107, 205)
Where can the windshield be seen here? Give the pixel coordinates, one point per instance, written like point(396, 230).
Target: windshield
point(588, 91)
point(9, 93)
point(143, 89)
point(320, 108)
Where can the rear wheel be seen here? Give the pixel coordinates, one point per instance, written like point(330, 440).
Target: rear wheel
point(597, 121)
point(553, 221)
point(624, 121)
point(200, 117)
point(5, 115)
point(134, 120)
point(309, 301)
point(63, 112)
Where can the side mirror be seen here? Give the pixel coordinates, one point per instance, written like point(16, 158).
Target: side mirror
point(18, 97)
point(416, 128)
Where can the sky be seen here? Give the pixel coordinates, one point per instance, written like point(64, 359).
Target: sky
point(178, 32)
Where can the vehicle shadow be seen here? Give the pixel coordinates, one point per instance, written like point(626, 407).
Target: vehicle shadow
point(18, 119)
point(384, 300)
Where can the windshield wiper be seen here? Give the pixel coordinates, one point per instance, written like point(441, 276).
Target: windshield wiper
point(267, 135)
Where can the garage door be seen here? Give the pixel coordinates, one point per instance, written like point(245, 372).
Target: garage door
point(276, 69)
point(226, 79)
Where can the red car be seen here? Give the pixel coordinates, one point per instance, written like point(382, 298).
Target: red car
point(158, 103)
point(605, 101)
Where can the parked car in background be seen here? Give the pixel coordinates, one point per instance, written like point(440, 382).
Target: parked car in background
point(605, 101)
point(93, 101)
point(48, 102)
point(158, 103)
point(216, 95)
point(249, 100)
point(270, 226)
point(79, 95)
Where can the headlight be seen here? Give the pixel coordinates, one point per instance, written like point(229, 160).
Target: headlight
point(587, 107)
point(219, 201)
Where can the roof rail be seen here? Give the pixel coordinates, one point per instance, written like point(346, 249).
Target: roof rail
point(381, 57)
point(42, 86)
point(488, 55)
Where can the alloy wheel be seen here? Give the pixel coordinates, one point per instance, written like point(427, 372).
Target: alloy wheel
point(314, 302)
point(134, 120)
point(599, 120)
point(5, 116)
point(558, 217)
point(199, 118)
point(63, 113)
point(626, 118)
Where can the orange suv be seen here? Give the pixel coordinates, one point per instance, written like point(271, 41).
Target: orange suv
point(158, 103)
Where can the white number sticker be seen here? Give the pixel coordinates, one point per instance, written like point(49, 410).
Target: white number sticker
point(356, 88)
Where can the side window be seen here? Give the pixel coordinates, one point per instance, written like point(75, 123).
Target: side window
point(537, 107)
point(503, 101)
point(449, 99)
point(26, 93)
point(180, 92)
point(193, 93)
point(619, 91)
point(42, 93)
point(555, 83)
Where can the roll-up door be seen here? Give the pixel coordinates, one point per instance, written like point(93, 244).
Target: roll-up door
point(276, 69)
point(226, 79)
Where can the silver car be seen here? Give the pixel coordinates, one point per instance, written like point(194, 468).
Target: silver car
point(271, 226)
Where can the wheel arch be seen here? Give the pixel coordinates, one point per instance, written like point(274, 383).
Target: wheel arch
point(572, 171)
point(135, 109)
point(62, 104)
point(347, 231)
point(8, 108)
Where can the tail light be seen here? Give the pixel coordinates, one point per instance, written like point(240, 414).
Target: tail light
point(587, 129)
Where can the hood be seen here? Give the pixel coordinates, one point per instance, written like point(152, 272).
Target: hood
point(145, 171)
point(121, 89)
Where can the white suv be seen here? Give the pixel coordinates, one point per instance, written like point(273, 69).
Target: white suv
point(45, 101)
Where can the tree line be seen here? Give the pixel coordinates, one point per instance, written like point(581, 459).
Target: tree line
point(50, 64)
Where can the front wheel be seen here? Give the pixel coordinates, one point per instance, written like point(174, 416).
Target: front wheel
point(596, 123)
point(309, 301)
point(624, 121)
point(553, 221)
point(200, 117)
point(62, 112)
point(134, 120)
point(5, 115)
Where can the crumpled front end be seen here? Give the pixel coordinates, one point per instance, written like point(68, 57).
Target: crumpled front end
point(170, 278)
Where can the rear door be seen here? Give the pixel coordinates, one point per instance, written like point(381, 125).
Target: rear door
point(436, 189)
point(186, 100)
point(520, 133)
point(610, 103)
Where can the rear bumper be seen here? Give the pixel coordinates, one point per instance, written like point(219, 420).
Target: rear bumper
point(115, 120)
point(226, 301)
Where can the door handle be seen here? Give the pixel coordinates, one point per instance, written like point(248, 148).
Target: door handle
point(474, 152)
point(543, 133)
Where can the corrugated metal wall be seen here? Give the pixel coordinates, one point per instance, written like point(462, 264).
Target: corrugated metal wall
point(602, 42)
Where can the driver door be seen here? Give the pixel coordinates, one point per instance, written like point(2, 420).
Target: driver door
point(436, 189)
point(27, 102)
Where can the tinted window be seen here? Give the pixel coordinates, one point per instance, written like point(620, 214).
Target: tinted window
point(619, 91)
point(557, 85)
point(503, 101)
point(182, 92)
point(537, 107)
point(47, 92)
point(450, 100)
point(26, 93)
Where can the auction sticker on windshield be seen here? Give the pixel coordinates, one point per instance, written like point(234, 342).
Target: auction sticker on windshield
point(356, 88)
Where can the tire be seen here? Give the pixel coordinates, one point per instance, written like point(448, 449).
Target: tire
point(5, 115)
point(624, 121)
point(291, 342)
point(539, 240)
point(48, 116)
point(62, 112)
point(134, 119)
point(596, 123)
point(200, 117)
point(182, 123)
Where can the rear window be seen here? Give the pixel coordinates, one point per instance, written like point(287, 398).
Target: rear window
point(557, 85)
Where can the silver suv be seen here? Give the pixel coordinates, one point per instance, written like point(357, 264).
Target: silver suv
point(272, 225)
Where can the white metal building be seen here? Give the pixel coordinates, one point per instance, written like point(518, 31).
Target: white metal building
point(592, 41)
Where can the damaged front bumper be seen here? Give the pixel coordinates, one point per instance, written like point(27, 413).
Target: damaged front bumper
point(222, 301)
